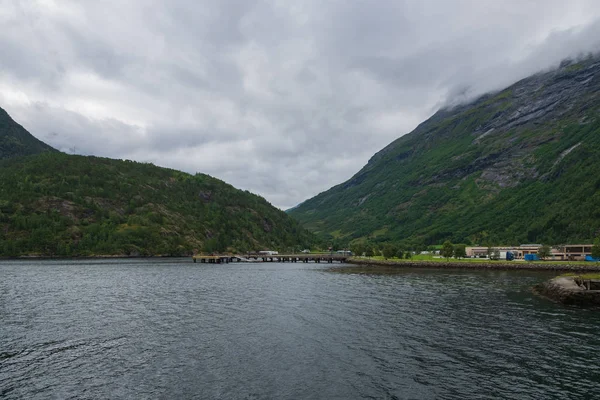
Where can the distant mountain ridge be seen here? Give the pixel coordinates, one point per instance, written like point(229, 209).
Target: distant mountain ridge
point(15, 141)
point(55, 204)
point(515, 166)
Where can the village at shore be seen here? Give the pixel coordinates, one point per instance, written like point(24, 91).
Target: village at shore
point(578, 284)
point(450, 252)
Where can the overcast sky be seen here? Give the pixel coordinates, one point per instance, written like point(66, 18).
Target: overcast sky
point(284, 98)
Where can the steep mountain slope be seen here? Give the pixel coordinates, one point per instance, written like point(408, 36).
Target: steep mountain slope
point(16, 141)
point(516, 166)
point(67, 205)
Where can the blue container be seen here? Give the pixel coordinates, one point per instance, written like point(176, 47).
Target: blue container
point(531, 257)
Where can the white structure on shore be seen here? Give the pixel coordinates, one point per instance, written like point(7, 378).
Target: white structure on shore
point(564, 252)
point(268, 252)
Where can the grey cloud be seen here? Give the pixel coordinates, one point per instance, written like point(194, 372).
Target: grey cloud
point(172, 138)
point(74, 133)
point(284, 99)
point(559, 45)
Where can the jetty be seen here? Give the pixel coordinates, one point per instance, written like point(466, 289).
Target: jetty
point(254, 257)
point(571, 290)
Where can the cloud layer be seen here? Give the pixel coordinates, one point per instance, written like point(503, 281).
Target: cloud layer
point(284, 99)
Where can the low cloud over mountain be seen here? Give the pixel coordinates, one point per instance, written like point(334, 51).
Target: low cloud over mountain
point(281, 98)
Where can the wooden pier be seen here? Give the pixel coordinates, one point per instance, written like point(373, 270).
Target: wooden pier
point(317, 258)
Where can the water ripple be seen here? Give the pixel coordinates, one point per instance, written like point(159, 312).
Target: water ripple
point(172, 329)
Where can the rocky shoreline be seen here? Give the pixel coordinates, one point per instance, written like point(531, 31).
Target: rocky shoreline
point(491, 265)
point(566, 290)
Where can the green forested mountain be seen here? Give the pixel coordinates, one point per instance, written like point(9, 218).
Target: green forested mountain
point(521, 165)
point(15, 141)
point(68, 205)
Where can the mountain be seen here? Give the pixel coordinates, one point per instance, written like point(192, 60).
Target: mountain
point(55, 204)
point(520, 165)
point(15, 141)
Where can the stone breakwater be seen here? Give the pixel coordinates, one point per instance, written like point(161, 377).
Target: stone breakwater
point(569, 290)
point(566, 290)
point(492, 265)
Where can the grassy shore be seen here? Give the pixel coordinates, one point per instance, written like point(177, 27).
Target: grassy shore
point(429, 257)
point(593, 275)
point(428, 261)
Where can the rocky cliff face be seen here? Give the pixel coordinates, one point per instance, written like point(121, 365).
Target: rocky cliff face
point(513, 166)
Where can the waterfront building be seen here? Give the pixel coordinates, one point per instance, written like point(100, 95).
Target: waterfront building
point(572, 251)
point(564, 252)
point(518, 251)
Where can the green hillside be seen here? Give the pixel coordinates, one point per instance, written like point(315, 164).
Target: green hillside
point(15, 141)
point(55, 204)
point(517, 166)
point(59, 204)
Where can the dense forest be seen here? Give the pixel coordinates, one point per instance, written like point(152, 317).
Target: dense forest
point(515, 166)
point(68, 205)
point(55, 204)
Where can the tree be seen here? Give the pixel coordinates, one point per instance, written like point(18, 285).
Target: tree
point(400, 254)
point(388, 251)
point(596, 248)
point(369, 251)
point(358, 249)
point(544, 252)
point(447, 249)
point(376, 251)
point(460, 251)
point(408, 255)
point(494, 254)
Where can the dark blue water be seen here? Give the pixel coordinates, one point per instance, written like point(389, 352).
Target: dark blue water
point(173, 329)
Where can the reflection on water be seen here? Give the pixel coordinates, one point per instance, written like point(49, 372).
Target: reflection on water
point(174, 329)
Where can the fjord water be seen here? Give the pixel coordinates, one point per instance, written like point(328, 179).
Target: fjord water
point(174, 329)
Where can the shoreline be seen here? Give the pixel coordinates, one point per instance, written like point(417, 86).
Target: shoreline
point(565, 290)
point(117, 256)
point(484, 265)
